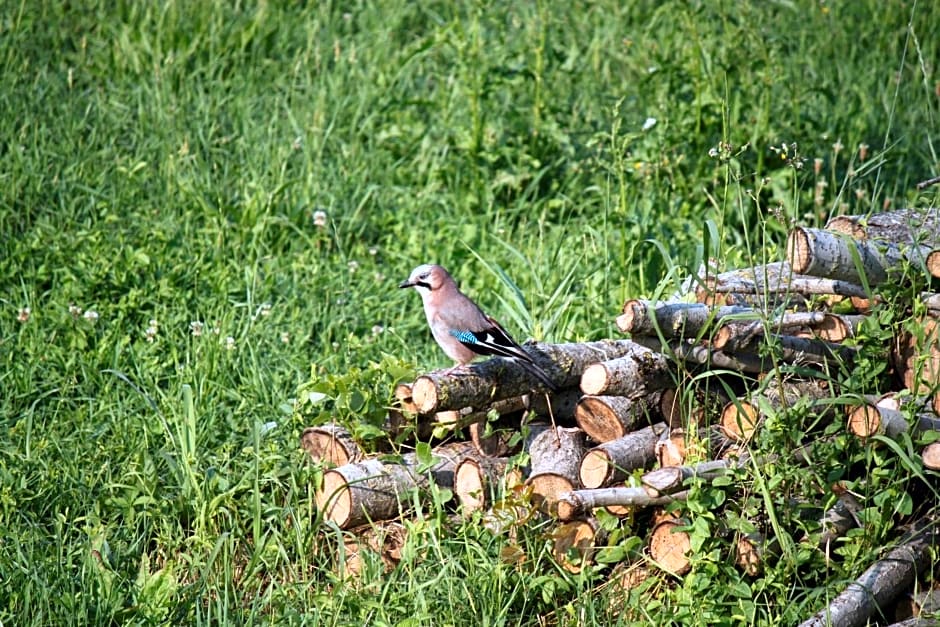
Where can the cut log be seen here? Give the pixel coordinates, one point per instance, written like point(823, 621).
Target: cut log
point(672, 479)
point(692, 406)
point(827, 254)
point(672, 450)
point(916, 357)
point(579, 503)
point(933, 263)
point(384, 538)
point(740, 418)
point(902, 226)
point(670, 546)
point(682, 350)
point(373, 489)
point(642, 317)
point(613, 461)
point(497, 378)
point(331, 445)
point(884, 581)
point(606, 418)
point(774, 279)
point(555, 456)
point(931, 456)
point(575, 543)
point(479, 481)
point(634, 375)
point(866, 420)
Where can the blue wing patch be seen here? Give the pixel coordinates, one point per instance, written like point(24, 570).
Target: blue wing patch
point(465, 337)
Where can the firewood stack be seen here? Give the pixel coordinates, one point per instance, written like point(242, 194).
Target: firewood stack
point(632, 425)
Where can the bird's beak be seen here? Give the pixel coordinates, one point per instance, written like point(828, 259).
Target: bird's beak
point(405, 284)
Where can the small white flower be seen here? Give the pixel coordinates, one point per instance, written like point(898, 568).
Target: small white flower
point(649, 123)
point(285, 337)
point(319, 219)
point(353, 265)
point(75, 311)
point(24, 313)
point(712, 152)
point(196, 327)
point(377, 329)
point(373, 250)
point(229, 343)
point(91, 316)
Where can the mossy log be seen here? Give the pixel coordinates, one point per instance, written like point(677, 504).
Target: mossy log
point(496, 379)
point(881, 583)
point(332, 445)
point(611, 462)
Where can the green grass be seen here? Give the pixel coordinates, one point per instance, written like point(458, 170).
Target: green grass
point(164, 162)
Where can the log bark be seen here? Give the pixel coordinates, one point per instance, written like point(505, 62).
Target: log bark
point(497, 379)
point(606, 418)
point(575, 543)
point(638, 374)
point(881, 583)
point(670, 546)
point(903, 226)
point(332, 445)
point(745, 338)
point(867, 419)
point(578, 503)
point(555, 456)
point(931, 456)
point(479, 481)
point(642, 317)
point(695, 353)
point(823, 253)
point(374, 489)
point(740, 418)
point(613, 461)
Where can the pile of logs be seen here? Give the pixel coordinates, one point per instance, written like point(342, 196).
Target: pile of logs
point(631, 426)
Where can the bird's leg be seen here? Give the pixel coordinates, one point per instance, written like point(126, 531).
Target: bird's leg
point(456, 370)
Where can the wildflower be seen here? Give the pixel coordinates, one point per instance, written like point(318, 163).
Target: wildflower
point(860, 193)
point(91, 316)
point(151, 333)
point(837, 147)
point(229, 343)
point(373, 250)
point(285, 337)
point(377, 329)
point(862, 152)
point(817, 166)
point(24, 313)
point(353, 265)
point(196, 327)
point(649, 123)
point(75, 311)
point(319, 219)
point(263, 311)
point(379, 277)
point(713, 152)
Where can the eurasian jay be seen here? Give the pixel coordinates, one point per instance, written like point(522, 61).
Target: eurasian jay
point(461, 328)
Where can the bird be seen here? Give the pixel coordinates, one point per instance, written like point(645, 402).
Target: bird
point(461, 328)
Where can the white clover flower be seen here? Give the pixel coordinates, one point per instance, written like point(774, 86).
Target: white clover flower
point(229, 343)
point(91, 316)
point(75, 311)
point(285, 337)
point(319, 219)
point(196, 327)
point(377, 329)
point(649, 123)
point(24, 314)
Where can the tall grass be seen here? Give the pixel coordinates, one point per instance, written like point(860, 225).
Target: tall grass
point(167, 293)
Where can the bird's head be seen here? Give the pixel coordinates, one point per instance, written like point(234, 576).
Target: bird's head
point(427, 278)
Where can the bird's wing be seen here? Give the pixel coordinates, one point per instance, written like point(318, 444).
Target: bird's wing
point(493, 340)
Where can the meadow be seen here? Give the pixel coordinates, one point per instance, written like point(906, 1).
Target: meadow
point(206, 209)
